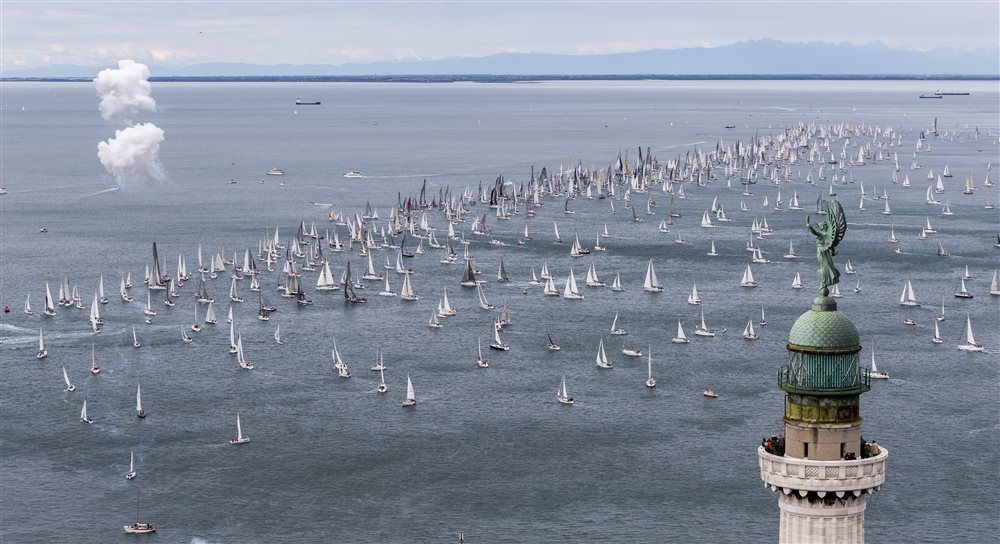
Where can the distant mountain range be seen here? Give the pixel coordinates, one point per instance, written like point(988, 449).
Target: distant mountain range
point(757, 57)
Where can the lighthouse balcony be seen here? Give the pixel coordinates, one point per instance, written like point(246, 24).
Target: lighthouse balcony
point(838, 477)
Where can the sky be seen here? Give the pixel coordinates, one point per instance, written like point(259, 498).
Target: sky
point(94, 33)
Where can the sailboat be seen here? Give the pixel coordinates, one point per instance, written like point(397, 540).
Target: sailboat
point(937, 334)
point(131, 466)
point(650, 381)
point(382, 387)
point(711, 251)
point(469, 278)
point(552, 346)
point(969, 344)
point(747, 280)
point(791, 251)
point(27, 305)
point(875, 373)
point(139, 527)
point(962, 292)
point(69, 386)
point(651, 283)
point(615, 331)
point(434, 322)
point(749, 333)
point(139, 412)
point(411, 398)
point(995, 284)
point(797, 282)
point(83, 414)
point(616, 285)
point(185, 338)
point(42, 352)
point(497, 342)
point(562, 395)
point(480, 361)
point(244, 364)
point(94, 369)
point(240, 439)
point(693, 298)
point(592, 279)
point(602, 358)
point(444, 306)
point(681, 338)
point(571, 291)
point(406, 292)
point(135, 338)
point(50, 308)
point(277, 336)
point(702, 329)
point(149, 304)
point(630, 350)
point(849, 268)
point(907, 298)
point(483, 302)
point(763, 320)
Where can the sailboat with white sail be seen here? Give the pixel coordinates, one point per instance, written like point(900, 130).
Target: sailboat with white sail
point(131, 466)
point(616, 285)
point(69, 386)
point(83, 414)
point(562, 395)
point(995, 284)
point(602, 357)
point(749, 333)
point(42, 352)
point(748, 280)
point(615, 330)
point(907, 298)
point(382, 387)
point(694, 299)
point(406, 292)
point(411, 397)
point(797, 281)
point(571, 291)
point(681, 338)
point(278, 340)
point(702, 329)
point(969, 342)
point(497, 343)
point(139, 412)
point(874, 372)
point(481, 362)
point(240, 356)
point(937, 334)
point(50, 308)
point(240, 438)
point(552, 345)
point(651, 283)
point(650, 380)
point(444, 306)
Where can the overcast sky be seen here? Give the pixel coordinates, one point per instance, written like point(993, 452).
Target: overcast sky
point(174, 33)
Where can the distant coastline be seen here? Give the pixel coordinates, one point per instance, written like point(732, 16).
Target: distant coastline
point(513, 78)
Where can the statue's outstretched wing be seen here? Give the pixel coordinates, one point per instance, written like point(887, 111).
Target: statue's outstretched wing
point(835, 215)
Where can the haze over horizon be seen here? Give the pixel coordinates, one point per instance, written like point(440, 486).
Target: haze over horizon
point(37, 34)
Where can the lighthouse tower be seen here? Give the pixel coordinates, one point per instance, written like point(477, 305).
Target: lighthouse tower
point(821, 468)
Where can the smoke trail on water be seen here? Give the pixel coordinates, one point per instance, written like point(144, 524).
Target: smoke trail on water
point(124, 91)
point(132, 151)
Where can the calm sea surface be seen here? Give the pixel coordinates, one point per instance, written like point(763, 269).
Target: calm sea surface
point(486, 452)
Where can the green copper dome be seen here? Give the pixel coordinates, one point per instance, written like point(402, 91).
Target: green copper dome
point(823, 327)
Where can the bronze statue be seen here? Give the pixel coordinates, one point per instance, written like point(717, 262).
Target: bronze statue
point(828, 234)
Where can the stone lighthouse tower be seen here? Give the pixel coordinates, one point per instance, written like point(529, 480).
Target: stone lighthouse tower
point(821, 468)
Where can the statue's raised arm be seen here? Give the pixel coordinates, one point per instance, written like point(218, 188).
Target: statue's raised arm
point(828, 235)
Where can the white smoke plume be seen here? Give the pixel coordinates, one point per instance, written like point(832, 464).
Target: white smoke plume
point(133, 151)
point(124, 91)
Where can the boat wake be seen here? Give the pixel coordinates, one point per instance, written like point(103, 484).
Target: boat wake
point(685, 145)
point(102, 191)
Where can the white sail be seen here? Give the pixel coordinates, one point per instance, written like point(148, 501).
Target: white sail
point(681, 338)
point(69, 386)
point(748, 279)
point(693, 298)
point(406, 292)
point(138, 399)
point(411, 397)
point(602, 358)
point(571, 291)
point(651, 283)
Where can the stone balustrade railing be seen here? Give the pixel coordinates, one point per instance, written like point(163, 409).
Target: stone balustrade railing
point(804, 475)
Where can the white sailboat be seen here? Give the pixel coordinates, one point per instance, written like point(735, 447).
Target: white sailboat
point(480, 361)
point(797, 282)
point(42, 352)
point(185, 338)
point(278, 340)
point(69, 386)
point(650, 381)
point(411, 398)
point(749, 333)
point(240, 357)
point(711, 250)
point(616, 285)
point(592, 279)
point(434, 322)
point(497, 342)
point(27, 305)
point(962, 291)
point(602, 357)
point(995, 284)
point(83, 414)
point(907, 298)
point(131, 466)
point(483, 302)
point(571, 291)
point(937, 335)
point(969, 344)
point(693, 298)
point(210, 318)
point(747, 280)
point(702, 329)
point(551, 346)
point(382, 387)
point(681, 338)
point(50, 308)
point(562, 395)
point(875, 373)
point(406, 292)
point(651, 283)
point(139, 412)
point(240, 439)
point(615, 330)
point(135, 338)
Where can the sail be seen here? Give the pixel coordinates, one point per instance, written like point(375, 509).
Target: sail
point(680, 330)
point(651, 283)
point(969, 338)
point(138, 398)
point(410, 395)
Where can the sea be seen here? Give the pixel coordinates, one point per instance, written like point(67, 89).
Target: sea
point(486, 453)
